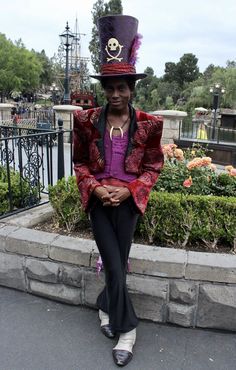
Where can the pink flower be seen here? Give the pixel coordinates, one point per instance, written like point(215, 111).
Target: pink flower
point(179, 154)
point(233, 172)
point(206, 161)
point(168, 150)
point(188, 182)
point(196, 162)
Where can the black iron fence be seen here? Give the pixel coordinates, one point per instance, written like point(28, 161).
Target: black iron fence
point(30, 119)
point(202, 131)
point(31, 159)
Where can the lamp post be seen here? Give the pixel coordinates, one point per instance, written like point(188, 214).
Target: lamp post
point(54, 90)
point(66, 39)
point(217, 90)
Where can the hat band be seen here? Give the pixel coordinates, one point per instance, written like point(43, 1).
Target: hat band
point(116, 68)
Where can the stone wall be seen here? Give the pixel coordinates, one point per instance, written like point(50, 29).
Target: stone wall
point(190, 289)
point(172, 123)
point(65, 112)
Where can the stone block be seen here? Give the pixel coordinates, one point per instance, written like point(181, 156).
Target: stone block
point(157, 261)
point(217, 267)
point(217, 307)
point(180, 314)
point(183, 291)
point(149, 297)
point(5, 230)
point(42, 270)
point(58, 292)
point(71, 250)
point(29, 242)
point(72, 275)
point(93, 285)
point(33, 216)
point(12, 271)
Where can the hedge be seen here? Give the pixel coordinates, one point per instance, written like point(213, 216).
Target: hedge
point(21, 191)
point(184, 220)
point(171, 219)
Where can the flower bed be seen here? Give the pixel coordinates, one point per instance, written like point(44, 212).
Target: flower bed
point(191, 172)
point(190, 206)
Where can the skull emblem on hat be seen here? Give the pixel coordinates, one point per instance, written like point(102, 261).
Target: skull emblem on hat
point(113, 45)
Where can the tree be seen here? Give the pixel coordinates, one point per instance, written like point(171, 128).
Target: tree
point(226, 77)
point(231, 64)
point(186, 70)
point(114, 7)
point(209, 71)
point(100, 9)
point(170, 72)
point(46, 76)
point(170, 89)
point(142, 92)
point(19, 68)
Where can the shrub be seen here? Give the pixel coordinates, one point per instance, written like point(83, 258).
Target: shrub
point(21, 191)
point(179, 220)
point(65, 200)
point(191, 172)
point(171, 219)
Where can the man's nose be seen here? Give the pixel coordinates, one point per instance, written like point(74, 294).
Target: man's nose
point(115, 93)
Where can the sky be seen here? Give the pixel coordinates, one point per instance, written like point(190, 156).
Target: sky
point(170, 28)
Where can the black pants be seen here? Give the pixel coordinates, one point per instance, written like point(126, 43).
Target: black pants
point(113, 229)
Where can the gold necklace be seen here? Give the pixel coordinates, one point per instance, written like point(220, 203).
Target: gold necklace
point(120, 128)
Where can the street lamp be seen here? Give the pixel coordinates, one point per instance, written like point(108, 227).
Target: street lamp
point(217, 90)
point(54, 90)
point(66, 39)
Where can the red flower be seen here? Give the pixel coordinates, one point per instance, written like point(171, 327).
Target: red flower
point(188, 182)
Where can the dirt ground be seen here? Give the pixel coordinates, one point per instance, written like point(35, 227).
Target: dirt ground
point(52, 226)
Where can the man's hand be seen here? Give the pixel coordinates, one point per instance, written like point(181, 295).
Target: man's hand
point(115, 196)
point(100, 192)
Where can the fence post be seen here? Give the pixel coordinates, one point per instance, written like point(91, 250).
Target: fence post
point(60, 151)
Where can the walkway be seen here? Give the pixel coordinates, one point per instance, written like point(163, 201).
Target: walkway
point(39, 334)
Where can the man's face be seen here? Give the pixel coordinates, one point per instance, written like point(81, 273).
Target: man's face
point(117, 93)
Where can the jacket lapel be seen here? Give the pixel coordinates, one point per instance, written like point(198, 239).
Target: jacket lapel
point(100, 125)
point(132, 128)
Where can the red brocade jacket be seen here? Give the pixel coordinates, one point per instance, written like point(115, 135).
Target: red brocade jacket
point(144, 156)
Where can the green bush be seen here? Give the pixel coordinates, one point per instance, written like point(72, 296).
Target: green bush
point(190, 172)
point(180, 220)
point(21, 191)
point(65, 200)
point(225, 185)
point(171, 219)
point(4, 203)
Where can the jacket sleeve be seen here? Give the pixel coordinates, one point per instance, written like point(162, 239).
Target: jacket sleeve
point(152, 164)
point(85, 180)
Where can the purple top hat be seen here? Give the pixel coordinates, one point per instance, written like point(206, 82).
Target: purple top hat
point(119, 42)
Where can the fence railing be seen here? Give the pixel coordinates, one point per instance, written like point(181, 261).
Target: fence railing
point(200, 131)
point(31, 159)
point(30, 119)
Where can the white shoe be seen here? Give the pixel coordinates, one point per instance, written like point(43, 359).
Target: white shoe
point(126, 341)
point(103, 316)
point(105, 326)
point(123, 351)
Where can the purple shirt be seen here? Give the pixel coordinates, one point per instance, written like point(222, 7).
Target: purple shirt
point(115, 151)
